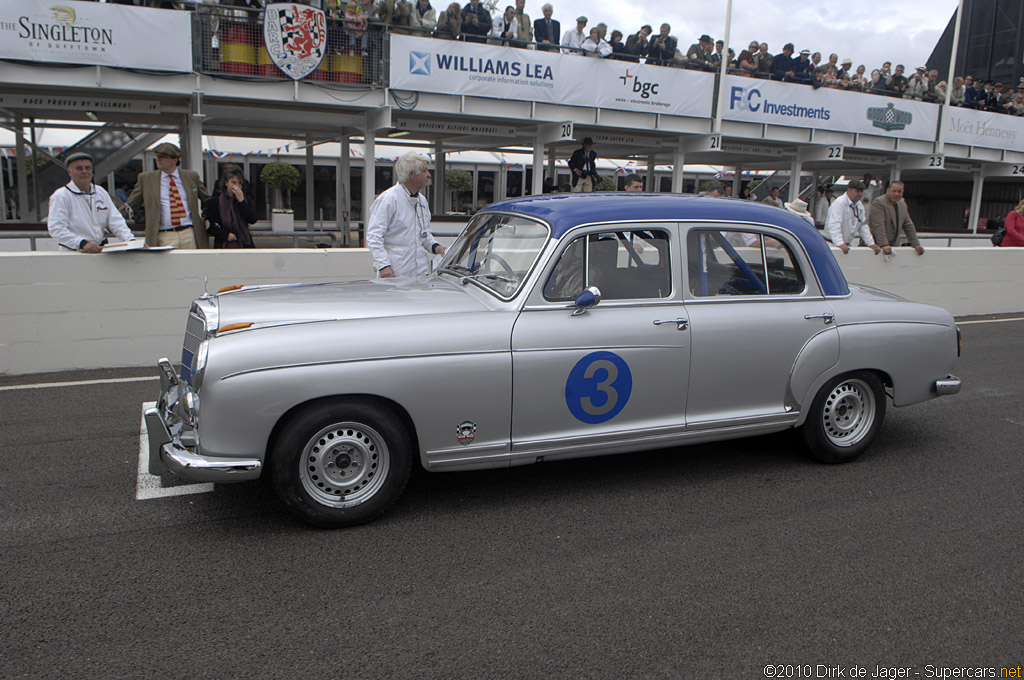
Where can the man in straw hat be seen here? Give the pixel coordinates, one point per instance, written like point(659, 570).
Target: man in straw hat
point(172, 198)
point(799, 207)
point(81, 213)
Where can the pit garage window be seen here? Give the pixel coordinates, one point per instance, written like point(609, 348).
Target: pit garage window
point(736, 262)
point(624, 264)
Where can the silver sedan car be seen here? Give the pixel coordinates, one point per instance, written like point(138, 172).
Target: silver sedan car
point(557, 326)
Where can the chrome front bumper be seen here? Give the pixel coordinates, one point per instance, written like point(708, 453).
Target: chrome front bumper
point(948, 385)
point(174, 445)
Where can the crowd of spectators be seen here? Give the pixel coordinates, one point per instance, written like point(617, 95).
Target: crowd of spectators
point(354, 20)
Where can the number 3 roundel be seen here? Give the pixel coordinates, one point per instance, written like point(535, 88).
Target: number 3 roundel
point(598, 387)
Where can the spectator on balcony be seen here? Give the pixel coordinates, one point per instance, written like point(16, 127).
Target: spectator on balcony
point(803, 69)
point(503, 27)
point(715, 58)
point(547, 31)
point(889, 215)
point(81, 213)
point(572, 41)
point(878, 84)
point(829, 77)
point(917, 85)
point(637, 44)
point(833, 62)
point(745, 63)
point(424, 17)
point(845, 66)
point(699, 53)
point(972, 91)
point(782, 64)
point(618, 47)
point(940, 92)
point(897, 82)
point(931, 93)
point(994, 101)
point(524, 26)
point(956, 98)
point(476, 21)
point(595, 45)
point(449, 24)
point(663, 47)
point(815, 62)
point(763, 59)
point(859, 81)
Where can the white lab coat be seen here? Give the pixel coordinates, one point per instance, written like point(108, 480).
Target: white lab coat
point(845, 220)
point(398, 232)
point(75, 215)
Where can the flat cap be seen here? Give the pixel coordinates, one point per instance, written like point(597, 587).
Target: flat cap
point(78, 156)
point(167, 149)
point(581, 19)
point(856, 184)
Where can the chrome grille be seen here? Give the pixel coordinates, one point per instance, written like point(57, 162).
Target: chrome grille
point(195, 330)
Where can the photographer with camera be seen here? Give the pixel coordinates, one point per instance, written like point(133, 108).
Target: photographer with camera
point(583, 164)
point(449, 24)
point(663, 47)
point(476, 22)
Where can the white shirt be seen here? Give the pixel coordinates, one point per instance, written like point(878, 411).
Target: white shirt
point(398, 232)
point(75, 215)
point(601, 48)
point(165, 200)
point(572, 41)
point(499, 27)
point(845, 220)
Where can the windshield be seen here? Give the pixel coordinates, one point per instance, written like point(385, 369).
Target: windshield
point(496, 251)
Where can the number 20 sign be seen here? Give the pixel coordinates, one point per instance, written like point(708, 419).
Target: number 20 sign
point(598, 387)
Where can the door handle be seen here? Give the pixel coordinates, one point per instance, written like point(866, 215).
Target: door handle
point(681, 324)
point(827, 316)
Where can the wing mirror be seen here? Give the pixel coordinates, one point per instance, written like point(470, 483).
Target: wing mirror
point(590, 297)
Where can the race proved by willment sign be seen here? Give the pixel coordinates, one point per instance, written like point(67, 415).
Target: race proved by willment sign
point(764, 101)
point(984, 128)
point(453, 67)
point(95, 34)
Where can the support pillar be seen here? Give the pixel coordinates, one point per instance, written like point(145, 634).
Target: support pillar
point(794, 179)
point(369, 175)
point(678, 163)
point(979, 184)
point(344, 178)
point(192, 144)
point(737, 181)
point(894, 173)
point(22, 172)
point(552, 170)
point(440, 169)
point(501, 183)
point(310, 181)
point(537, 185)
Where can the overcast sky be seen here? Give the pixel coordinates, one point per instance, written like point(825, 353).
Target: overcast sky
point(867, 31)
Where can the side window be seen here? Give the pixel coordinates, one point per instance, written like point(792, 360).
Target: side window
point(624, 265)
point(737, 262)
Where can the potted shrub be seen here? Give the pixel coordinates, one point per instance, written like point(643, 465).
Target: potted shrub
point(280, 177)
point(458, 182)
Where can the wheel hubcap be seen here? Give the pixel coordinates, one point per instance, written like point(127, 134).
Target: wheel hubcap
point(849, 412)
point(344, 464)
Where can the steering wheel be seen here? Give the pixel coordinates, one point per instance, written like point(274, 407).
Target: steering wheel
point(501, 262)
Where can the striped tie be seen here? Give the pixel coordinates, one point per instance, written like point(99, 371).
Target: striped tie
point(177, 208)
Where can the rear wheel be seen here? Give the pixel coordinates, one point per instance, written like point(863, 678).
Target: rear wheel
point(341, 463)
point(844, 418)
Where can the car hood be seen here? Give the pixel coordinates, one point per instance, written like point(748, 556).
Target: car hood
point(303, 303)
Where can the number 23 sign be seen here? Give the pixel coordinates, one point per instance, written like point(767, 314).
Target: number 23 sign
point(598, 387)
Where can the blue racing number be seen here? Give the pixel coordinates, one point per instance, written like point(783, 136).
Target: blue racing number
point(598, 387)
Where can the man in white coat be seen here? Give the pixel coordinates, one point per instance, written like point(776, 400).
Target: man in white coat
point(81, 213)
point(398, 231)
point(847, 220)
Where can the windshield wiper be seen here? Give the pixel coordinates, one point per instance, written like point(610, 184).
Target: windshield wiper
point(496, 277)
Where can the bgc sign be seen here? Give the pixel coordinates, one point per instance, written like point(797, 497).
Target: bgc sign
point(645, 90)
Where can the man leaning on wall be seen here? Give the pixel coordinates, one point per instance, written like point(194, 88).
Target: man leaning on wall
point(888, 216)
point(172, 198)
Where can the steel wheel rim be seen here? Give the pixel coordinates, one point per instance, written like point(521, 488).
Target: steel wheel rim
point(849, 412)
point(344, 464)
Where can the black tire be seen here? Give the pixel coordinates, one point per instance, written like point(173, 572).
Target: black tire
point(844, 418)
point(341, 463)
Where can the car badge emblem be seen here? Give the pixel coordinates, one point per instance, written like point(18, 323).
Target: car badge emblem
point(295, 36)
point(466, 432)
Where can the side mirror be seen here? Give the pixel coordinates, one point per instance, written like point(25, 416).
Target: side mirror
point(587, 299)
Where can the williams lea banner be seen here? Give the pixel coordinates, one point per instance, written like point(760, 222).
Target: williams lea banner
point(752, 100)
point(453, 67)
point(96, 34)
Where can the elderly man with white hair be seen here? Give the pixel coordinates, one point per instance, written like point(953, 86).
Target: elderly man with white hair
point(398, 231)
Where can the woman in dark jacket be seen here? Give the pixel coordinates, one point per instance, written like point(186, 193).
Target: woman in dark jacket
point(230, 212)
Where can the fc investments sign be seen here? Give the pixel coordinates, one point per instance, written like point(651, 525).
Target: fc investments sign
point(95, 34)
point(449, 67)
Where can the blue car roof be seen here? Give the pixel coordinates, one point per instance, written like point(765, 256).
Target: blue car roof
point(565, 211)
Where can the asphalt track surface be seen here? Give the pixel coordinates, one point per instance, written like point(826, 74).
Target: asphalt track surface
point(708, 561)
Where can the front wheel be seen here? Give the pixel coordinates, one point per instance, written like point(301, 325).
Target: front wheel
point(341, 463)
point(844, 418)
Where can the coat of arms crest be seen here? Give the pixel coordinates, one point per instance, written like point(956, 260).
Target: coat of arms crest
point(295, 36)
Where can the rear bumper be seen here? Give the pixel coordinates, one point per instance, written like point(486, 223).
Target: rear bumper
point(174, 443)
point(948, 385)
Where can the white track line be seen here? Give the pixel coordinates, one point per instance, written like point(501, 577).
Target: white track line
point(968, 323)
point(149, 486)
point(76, 383)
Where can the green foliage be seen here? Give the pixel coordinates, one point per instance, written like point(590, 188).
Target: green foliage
point(606, 184)
point(280, 176)
point(458, 180)
point(710, 184)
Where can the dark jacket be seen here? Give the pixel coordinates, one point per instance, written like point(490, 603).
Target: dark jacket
point(781, 63)
point(585, 163)
point(246, 211)
point(540, 32)
point(659, 54)
point(482, 27)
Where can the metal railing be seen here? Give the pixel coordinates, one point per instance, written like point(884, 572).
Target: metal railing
point(295, 236)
